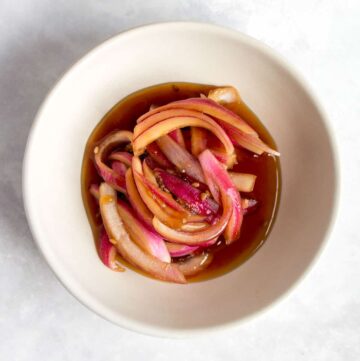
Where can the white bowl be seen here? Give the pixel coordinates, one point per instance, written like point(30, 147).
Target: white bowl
point(186, 52)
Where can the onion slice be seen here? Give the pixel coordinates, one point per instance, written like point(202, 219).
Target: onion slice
point(247, 137)
point(248, 205)
point(215, 173)
point(207, 106)
point(181, 158)
point(226, 96)
point(196, 238)
point(180, 250)
point(167, 215)
point(94, 191)
point(108, 253)
point(184, 191)
point(109, 143)
point(143, 235)
point(247, 141)
point(148, 172)
point(178, 137)
point(244, 182)
point(198, 140)
point(119, 168)
point(126, 247)
point(151, 131)
point(123, 157)
point(135, 199)
point(158, 156)
point(196, 264)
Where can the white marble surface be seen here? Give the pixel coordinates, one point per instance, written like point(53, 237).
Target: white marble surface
point(39, 319)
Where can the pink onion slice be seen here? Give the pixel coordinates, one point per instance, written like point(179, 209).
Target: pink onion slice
point(94, 191)
point(167, 202)
point(248, 205)
point(247, 141)
point(230, 98)
point(101, 151)
point(126, 247)
point(158, 156)
point(191, 227)
point(198, 140)
point(161, 116)
point(196, 238)
point(151, 131)
point(180, 250)
point(244, 182)
point(144, 236)
point(181, 158)
point(108, 253)
point(196, 264)
point(215, 173)
point(192, 196)
point(148, 172)
point(167, 215)
point(178, 137)
point(219, 155)
point(225, 96)
point(247, 137)
point(208, 107)
point(164, 199)
point(135, 199)
point(119, 168)
point(123, 157)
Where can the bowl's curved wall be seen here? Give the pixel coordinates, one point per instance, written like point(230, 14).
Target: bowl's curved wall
point(163, 53)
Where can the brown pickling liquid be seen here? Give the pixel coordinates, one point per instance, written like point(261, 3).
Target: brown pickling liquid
point(257, 223)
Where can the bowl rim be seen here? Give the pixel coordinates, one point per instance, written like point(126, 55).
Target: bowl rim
point(85, 298)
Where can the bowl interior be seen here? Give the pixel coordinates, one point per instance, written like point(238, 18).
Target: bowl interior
point(163, 53)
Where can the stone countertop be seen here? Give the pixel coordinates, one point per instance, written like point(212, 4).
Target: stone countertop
point(39, 319)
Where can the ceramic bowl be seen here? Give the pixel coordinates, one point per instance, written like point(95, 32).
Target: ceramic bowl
point(187, 52)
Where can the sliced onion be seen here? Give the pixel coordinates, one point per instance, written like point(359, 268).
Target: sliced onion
point(248, 205)
point(198, 140)
point(135, 199)
point(229, 97)
point(247, 137)
point(94, 191)
point(150, 132)
point(225, 95)
point(165, 214)
point(112, 141)
point(119, 168)
point(148, 172)
point(188, 194)
point(191, 227)
point(201, 236)
point(123, 157)
point(165, 200)
point(248, 141)
point(143, 235)
point(215, 173)
point(219, 155)
point(181, 158)
point(158, 156)
point(161, 116)
point(196, 264)
point(178, 137)
point(206, 106)
point(180, 250)
point(126, 247)
point(108, 253)
point(244, 182)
